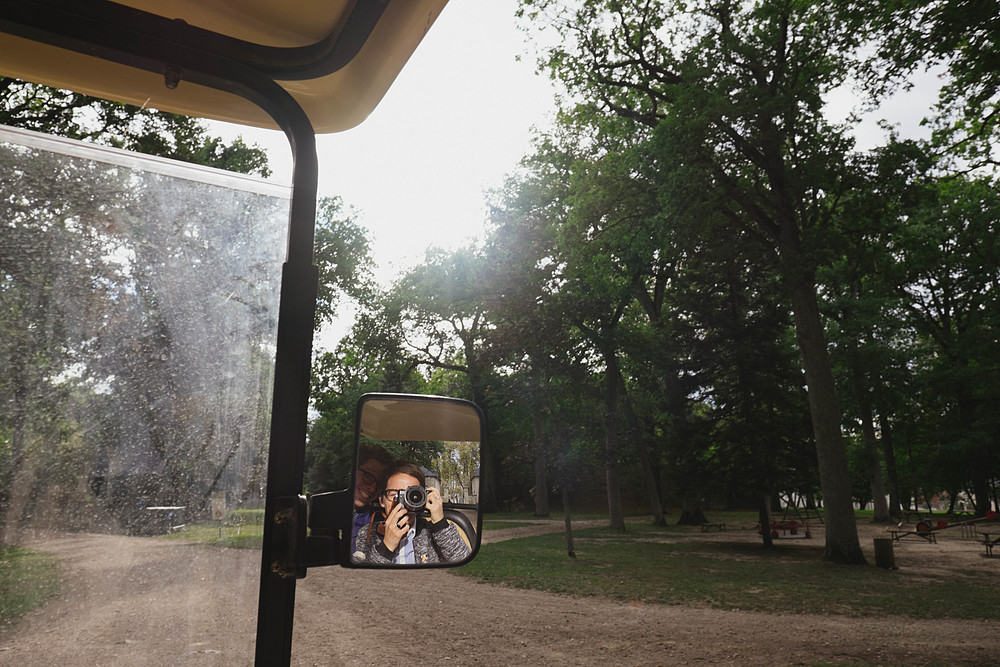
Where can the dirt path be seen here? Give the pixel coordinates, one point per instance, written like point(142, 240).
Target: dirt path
point(136, 601)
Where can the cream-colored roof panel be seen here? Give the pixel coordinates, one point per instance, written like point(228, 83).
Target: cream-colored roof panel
point(372, 71)
point(333, 103)
point(99, 78)
point(266, 22)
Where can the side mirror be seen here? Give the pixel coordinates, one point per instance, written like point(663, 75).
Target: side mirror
point(415, 481)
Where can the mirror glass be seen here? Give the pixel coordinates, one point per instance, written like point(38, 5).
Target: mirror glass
point(416, 481)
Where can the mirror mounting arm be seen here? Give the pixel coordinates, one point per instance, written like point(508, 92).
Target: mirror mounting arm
point(288, 535)
point(329, 514)
point(325, 515)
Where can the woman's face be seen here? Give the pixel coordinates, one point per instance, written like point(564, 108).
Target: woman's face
point(396, 483)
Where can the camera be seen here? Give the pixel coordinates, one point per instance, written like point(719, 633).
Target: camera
point(413, 498)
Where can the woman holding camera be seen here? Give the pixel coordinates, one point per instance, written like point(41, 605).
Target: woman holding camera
point(399, 534)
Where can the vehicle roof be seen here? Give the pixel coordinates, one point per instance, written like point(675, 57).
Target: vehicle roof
point(257, 33)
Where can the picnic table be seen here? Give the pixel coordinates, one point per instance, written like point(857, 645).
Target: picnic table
point(990, 543)
point(165, 518)
point(707, 527)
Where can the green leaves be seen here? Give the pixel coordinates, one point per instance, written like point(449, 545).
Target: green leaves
point(342, 253)
point(142, 130)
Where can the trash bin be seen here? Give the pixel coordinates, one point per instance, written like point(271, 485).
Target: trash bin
point(884, 557)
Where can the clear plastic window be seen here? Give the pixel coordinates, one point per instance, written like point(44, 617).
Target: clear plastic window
point(138, 315)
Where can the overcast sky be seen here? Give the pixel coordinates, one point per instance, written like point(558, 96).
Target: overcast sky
point(457, 119)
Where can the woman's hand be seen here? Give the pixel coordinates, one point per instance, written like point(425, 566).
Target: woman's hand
point(435, 505)
point(396, 526)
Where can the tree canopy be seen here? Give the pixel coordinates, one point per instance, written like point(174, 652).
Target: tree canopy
point(699, 291)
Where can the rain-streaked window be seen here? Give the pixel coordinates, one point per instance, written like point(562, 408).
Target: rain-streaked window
point(138, 314)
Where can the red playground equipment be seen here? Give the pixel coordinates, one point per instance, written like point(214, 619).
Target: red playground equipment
point(924, 529)
point(788, 528)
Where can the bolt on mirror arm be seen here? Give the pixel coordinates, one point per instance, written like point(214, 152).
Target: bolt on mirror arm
point(329, 514)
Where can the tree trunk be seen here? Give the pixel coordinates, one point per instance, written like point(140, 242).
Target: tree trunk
point(764, 518)
point(616, 515)
point(874, 461)
point(978, 459)
point(980, 484)
point(692, 513)
point(842, 545)
point(541, 479)
point(952, 499)
point(892, 477)
point(488, 465)
point(569, 524)
point(638, 436)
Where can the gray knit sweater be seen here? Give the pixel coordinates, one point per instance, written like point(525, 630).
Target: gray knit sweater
point(432, 543)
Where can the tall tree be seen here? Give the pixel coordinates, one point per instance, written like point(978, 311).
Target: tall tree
point(442, 310)
point(950, 273)
point(738, 90)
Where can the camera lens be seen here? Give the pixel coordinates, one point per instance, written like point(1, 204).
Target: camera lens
point(415, 497)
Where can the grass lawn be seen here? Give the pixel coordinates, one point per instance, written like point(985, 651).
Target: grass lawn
point(242, 529)
point(671, 565)
point(489, 524)
point(27, 579)
point(674, 565)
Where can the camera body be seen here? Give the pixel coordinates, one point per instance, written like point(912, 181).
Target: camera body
point(413, 498)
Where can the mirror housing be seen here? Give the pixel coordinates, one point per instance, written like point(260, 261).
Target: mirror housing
point(433, 442)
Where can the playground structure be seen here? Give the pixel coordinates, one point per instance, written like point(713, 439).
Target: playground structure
point(926, 530)
point(794, 521)
point(797, 508)
point(789, 528)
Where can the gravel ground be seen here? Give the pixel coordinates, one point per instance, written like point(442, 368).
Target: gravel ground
point(142, 601)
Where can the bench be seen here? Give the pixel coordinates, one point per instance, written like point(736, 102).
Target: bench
point(707, 527)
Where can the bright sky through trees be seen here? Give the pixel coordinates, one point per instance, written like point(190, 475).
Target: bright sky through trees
point(455, 122)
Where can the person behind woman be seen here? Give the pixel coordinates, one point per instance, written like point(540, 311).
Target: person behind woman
point(372, 462)
point(397, 535)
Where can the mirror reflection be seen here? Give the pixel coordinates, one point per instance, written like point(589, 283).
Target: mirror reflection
point(416, 481)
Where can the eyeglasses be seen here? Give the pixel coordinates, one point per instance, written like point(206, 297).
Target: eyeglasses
point(391, 493)
point(367, 477)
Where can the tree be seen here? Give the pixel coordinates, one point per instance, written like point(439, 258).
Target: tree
point(755, 440)
point(949, 254)
point(360, 364)
point(342, 252)
point(580, 281)
point(442, 309)
point(737, 91)
point(961, 36)
point(542, 368)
